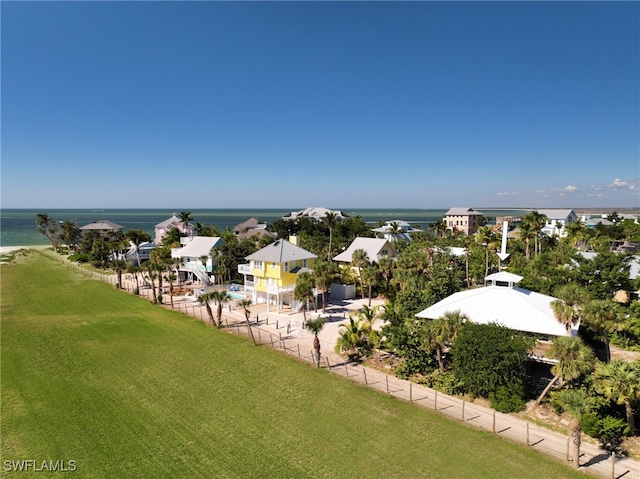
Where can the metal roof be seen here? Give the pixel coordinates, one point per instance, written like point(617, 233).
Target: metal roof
point(372, 246)
point(280, 251)
point(462, 212)
point(197, 247)
point(101, 225)
point(515, 308)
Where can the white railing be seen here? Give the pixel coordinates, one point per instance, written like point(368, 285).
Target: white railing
point(244, 269)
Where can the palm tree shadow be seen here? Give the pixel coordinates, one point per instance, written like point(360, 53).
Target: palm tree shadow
point(597, 459)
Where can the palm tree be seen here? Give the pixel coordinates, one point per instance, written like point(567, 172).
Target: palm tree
point(315, 325)
point(359, 260)
point(204, 298)
point(245, 304)
point(366, 318)
point(185, 218)
point(537, 222)
point(118, 265)
point(394, 229)
point(324, 273)
point(619, 381)
point(170, 277)
point(526, 233)
point(219, 297)
point(602, 317)
point(330, 220)
point(152, 274)
point(439, 227)
point(386, 266)
point(303, 290)
point(568, 308)
point(137, 237)
point(134, 270)
point(370, 277)
point(575, 359)
point(351, 338)
point(575, 402)
point(443, 332)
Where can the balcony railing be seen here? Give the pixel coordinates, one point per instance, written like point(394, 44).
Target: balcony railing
point(244, 269)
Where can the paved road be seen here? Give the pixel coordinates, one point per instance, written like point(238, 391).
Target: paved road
point(285, 332)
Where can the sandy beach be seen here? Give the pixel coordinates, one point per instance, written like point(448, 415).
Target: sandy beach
point(9, 249)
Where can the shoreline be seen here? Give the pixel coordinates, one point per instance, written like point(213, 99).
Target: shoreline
point(11, 249)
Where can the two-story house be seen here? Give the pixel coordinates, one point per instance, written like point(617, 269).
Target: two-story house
point(107, 230)
point(161, 229)
point(270, 276)
point(196, 261)
point(462, 219)
point(557, 221)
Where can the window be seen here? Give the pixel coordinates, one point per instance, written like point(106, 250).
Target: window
point(384, 252)
point(286, 266)
point(257, 281)
point(304, 263)
point(258, 265)
point(274, 265)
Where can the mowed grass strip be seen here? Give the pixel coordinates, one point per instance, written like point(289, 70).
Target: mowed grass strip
point(128, 389)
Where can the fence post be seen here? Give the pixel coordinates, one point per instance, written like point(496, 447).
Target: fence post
point(410, 391)
point(613, 464)
point(463, 403)
point(299, 355)
point(364, 372)
point(386, 377)
point(328, 365)
point(435, 401)
point(568, 439)
point(527, 434)
point(493, 429)
point(346, 369)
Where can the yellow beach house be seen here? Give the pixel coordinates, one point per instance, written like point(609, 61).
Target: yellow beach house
point(270, 276)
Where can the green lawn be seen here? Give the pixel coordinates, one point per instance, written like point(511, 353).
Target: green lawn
point(127, 389)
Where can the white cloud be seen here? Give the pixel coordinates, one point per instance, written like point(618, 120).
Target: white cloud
point(571, 188)
point(622, 184)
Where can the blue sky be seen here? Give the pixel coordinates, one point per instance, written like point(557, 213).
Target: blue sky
point(337, 104)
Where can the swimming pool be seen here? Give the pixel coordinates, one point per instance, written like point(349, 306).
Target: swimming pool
point(236, 295)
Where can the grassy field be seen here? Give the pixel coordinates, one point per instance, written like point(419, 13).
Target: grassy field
point(126, 389)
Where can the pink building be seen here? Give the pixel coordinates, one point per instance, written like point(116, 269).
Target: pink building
point(174, 222)
point(462, 219)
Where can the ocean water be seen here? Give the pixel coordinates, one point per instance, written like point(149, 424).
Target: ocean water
point(18, 226)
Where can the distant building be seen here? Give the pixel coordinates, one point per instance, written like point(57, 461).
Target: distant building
point(315, 213)
point(161, 229)
point(252, 228)
point(557, 221)
point(462, 219)
point(397, 230)
point(105, 228)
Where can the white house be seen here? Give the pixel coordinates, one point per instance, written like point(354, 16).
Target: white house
point(397, 230)
point(315, 213)
point(557, 220)
point(505, 304)
point(191, 254)
point(376, 249)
